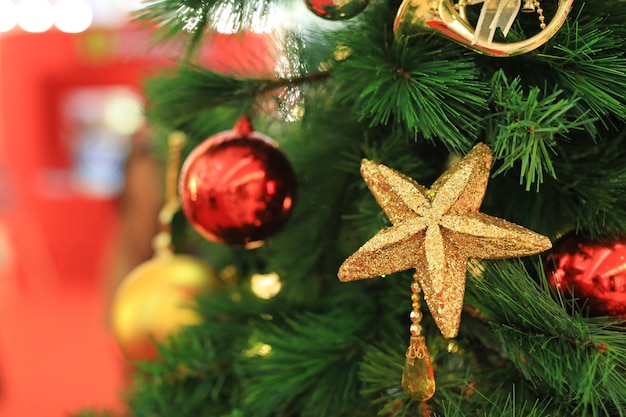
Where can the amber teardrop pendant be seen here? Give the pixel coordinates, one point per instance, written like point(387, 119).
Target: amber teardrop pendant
point(418, 377)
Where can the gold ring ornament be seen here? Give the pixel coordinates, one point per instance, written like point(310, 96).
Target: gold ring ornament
point(447, 19)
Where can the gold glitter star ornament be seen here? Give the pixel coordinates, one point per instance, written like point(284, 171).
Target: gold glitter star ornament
point(436, 231)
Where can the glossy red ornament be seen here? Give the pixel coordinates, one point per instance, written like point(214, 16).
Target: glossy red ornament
point(237, 187)
point(336, 9)
point(593, 272)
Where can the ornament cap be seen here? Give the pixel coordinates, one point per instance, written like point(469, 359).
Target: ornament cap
point(243, 126)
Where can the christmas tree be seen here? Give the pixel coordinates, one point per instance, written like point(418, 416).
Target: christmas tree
point(437, 149)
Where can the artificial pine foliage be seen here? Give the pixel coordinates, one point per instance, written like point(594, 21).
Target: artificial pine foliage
point(555, 119)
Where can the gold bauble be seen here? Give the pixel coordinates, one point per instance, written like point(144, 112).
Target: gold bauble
point(155, 300)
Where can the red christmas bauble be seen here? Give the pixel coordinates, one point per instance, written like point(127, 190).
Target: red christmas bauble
point(593, 272)
point(237, 187)
point(336, 9)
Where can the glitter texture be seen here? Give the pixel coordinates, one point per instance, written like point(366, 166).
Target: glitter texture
point(436, 231)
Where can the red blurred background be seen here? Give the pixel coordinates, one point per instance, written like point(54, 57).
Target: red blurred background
point(71, 203)
point(68, 107)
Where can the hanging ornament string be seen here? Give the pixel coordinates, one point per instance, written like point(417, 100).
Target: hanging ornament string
point(162, 242)
point(155, 299)
point(436, 231)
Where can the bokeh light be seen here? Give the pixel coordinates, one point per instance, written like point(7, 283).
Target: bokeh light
point(8, 15)
point(72, 16)
point(123, 112)
point(265, 286)
point(35, 15)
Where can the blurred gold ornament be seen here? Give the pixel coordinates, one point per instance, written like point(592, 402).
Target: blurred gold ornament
point(444, 18)
point(156, 300)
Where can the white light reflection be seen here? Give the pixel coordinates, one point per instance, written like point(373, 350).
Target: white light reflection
point(72, 16)
point(35, 15)
point(226, 18)
point(265, 19)
point(8, 15)
point(190, 16)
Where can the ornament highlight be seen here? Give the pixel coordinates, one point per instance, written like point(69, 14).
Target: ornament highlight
point(444, 18)
point(156, 300)
point(436, 231)
point(237, 187)
point(336, 9)
point(593, 272)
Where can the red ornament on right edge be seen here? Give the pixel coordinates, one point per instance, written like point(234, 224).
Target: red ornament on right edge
point(591, 271)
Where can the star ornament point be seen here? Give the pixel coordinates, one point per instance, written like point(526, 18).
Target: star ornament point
point(435, 231)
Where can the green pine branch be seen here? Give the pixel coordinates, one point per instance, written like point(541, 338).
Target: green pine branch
point(590, 186)
point(577, 361)
point(316, 380)
point(181, 97)
point(192, 19)
point(421, 88)
point(591, 65)
point(555, 119)
point(527, 126)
